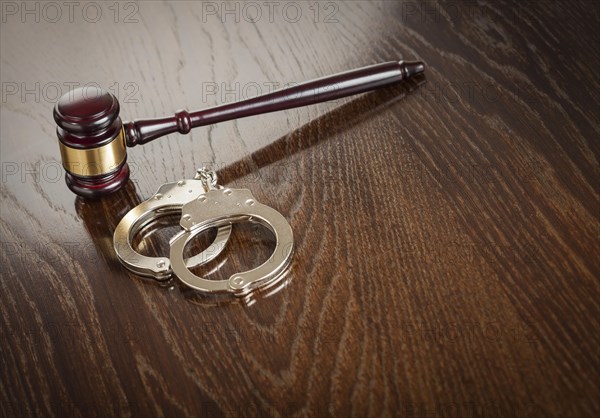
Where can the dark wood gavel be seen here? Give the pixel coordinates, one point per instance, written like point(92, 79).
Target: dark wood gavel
point(93, 139)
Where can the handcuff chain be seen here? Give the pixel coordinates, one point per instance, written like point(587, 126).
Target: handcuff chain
point(208, 178)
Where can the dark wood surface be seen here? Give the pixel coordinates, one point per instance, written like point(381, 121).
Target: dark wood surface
point(447, 234)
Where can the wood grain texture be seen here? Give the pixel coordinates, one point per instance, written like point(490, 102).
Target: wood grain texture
point(447, 234)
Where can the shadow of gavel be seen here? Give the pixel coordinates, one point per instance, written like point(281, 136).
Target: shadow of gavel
point(93, 140)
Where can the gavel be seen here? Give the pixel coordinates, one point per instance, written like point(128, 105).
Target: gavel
point(93, 141)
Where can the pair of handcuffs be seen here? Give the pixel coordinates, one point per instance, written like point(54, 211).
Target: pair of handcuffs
point(204, 204)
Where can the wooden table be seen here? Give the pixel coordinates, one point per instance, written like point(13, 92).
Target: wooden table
point(447, 234)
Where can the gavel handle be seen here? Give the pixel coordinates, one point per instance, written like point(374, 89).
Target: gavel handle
point(311, 92)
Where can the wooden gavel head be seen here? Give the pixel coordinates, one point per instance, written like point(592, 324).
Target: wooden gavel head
point(91, 141)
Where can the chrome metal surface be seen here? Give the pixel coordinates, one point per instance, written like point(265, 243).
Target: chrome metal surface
point(220, 208)
point(168, 200)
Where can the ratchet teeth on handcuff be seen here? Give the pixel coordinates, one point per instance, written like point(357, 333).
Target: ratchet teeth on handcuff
point(203, 205)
